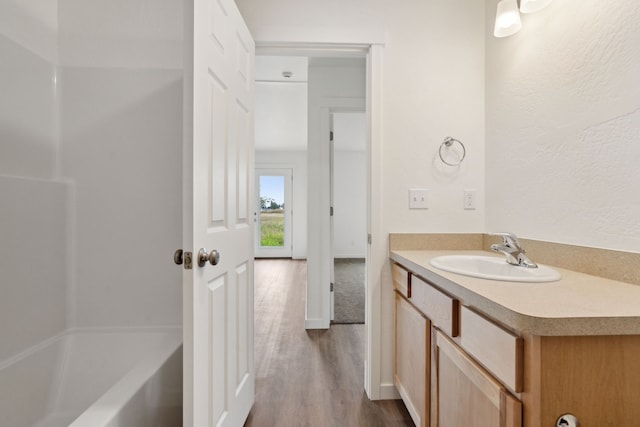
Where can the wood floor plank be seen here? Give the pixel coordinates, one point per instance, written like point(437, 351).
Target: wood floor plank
point(308, 378)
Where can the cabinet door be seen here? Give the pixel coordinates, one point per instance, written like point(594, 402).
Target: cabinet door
point(411, 377)
point(466, 395)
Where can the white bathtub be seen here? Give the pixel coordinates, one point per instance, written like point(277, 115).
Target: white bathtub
point(95, 378)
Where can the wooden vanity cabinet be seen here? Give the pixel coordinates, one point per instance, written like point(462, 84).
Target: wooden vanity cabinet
point(479, 373)
point(465, 395)
point(471, 379)
point(411, 376)
point(439, 382)
point(595, 378)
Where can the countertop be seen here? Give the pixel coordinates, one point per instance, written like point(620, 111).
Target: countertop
point(577, 304)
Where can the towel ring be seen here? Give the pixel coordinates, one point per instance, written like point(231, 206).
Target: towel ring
point(448, 142)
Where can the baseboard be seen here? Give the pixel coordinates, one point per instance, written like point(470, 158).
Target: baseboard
point(388, 392)
point(315, 324)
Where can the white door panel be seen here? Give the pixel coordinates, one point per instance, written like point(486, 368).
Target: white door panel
point(218, 345)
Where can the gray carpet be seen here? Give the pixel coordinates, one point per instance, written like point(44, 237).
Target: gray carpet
point(348, 290)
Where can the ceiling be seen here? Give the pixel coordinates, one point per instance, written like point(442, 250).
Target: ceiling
point(270, 68)
point(281, 108)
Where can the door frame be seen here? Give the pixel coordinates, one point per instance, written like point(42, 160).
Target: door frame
point(377, 250)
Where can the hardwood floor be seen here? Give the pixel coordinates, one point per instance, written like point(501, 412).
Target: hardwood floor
point(308, 378)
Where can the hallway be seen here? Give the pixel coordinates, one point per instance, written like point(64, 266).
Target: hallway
point(308, 378)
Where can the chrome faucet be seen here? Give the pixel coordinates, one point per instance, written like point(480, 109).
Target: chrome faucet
point(514, 252)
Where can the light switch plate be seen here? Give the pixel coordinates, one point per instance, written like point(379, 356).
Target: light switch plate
point(418, 198)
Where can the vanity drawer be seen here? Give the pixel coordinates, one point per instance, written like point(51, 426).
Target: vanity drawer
point(400, 280)
point(440, 308)
point(496, 349)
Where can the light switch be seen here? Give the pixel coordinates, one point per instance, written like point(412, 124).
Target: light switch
point(418, 198)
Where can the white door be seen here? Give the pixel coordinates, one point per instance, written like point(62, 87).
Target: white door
point(272, 215)
point(219, 380)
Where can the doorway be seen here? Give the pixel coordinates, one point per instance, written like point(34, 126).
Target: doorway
point(272, 215)
point(349, 216)
point(318, 296)
point(296, 97)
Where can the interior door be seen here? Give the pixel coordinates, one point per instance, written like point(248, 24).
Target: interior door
point(219, 377)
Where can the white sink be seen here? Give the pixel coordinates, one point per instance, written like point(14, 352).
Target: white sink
point(487, 267)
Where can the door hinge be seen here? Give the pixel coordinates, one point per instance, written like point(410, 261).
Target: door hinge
point(331, 136)
point(330, 210)
point(369, 238)
point(331, 286)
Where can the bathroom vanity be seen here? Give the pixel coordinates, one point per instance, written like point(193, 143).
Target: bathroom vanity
point(479, 352)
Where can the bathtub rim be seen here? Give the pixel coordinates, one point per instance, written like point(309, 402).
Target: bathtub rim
point(169, 342)
point(108, 405)
point(30, 351)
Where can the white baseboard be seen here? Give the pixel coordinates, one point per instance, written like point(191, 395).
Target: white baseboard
point(388, 392)
point(315, 324)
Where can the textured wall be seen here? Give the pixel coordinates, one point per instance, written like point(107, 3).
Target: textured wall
point(563, 125)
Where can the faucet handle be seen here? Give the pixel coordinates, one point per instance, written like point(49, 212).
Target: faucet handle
point(509, 239)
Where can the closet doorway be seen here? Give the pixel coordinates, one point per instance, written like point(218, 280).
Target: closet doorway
point(348, 181)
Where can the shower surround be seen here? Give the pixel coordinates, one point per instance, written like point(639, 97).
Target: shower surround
point(90, 176)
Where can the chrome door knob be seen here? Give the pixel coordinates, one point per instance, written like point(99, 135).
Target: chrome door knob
point(203, 256)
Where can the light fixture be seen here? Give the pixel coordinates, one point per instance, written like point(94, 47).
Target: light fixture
point(507, 19)
point(530, 6)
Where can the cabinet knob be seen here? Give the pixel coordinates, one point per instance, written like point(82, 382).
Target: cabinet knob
point(567, 420)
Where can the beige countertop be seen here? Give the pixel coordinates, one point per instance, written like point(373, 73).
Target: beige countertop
point(577, 304)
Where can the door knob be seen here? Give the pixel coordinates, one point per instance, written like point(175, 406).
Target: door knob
point(213, 257)
point(177, 257)
point(182, 257)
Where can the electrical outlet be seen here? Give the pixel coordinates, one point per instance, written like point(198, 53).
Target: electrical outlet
point(469, 199)
point(418, 198)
